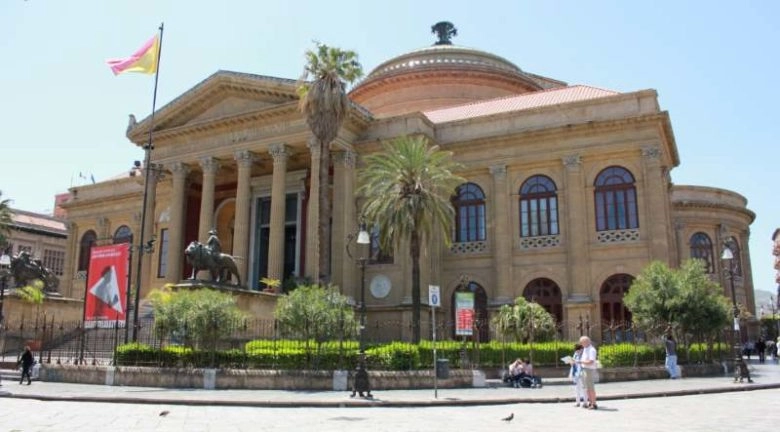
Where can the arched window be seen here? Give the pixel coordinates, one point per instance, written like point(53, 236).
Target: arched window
point(538, 207)
point(612, 292)
point(616, 319)
point(737, 264)
point(701, 248)
point(87, 241)
point(469, 203)
point(545, 293)
point(481, 323)
point(123, 234)
point(615, 196)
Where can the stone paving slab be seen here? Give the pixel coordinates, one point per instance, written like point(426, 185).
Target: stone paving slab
point(766, 376)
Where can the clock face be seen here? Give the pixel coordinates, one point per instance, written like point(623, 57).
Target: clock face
point(380, 286)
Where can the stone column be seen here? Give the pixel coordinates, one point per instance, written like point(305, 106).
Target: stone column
point(280, 154)
point(70, 266)
point(244, 160)
point(151, 199)
point(313, 213)
point(682, 243)
point(206, 221)
point(502, 235)
point(176, 227)
point(575, 210)
point(344, 222)
point(654, 186)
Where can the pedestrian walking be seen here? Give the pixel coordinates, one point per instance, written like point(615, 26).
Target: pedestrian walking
point(670, 345)
point(27, 360)
point(589, 370)
point(761, 350)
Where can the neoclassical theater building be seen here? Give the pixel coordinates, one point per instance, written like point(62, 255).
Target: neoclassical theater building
point(569, 191)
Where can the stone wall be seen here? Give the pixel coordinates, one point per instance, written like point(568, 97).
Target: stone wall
point(250, 379)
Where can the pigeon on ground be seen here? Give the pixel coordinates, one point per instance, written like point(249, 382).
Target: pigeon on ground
point(164, 413)
point(509, 417)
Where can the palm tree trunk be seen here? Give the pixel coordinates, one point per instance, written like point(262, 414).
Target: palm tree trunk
point(415, 252)
point(323, 231)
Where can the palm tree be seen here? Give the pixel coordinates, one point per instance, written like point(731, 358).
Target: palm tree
point(324, 103)
point(408, 190)
point(5, 220)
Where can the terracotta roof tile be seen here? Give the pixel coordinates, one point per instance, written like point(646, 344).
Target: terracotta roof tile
point(24, 219)
point(518, 103)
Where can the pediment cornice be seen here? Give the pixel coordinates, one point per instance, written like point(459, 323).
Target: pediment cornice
point(206, 94)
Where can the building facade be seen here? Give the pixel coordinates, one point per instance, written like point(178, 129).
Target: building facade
point(568, 194)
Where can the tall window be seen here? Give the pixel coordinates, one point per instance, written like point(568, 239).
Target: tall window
point(734, 245)
point(612, 292)
point(162, 263)
point(123, 234)
point(538, 207)
point(616, 207)
point(87, 241)
point(469, 203)
point(54, 260)
point(701, 248)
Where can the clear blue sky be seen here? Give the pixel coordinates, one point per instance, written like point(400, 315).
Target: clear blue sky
point(714, 65)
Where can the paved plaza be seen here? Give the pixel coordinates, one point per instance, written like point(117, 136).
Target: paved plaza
point(690, 404)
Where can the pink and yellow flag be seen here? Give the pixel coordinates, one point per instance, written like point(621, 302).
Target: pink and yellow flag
point(143, 61)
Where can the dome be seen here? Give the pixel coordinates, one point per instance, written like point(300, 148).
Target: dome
point(442, 75)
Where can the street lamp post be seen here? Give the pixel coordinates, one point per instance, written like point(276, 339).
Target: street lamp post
point(361, 383)
point(740, 368)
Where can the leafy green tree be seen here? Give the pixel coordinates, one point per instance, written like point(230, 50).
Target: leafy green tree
point(5, 221)
point(408, 189)
point(702, 309)
point(199, 318)
point(524, 321)
point(324, 103)
point(311, 312)
point(684, 299)
point(653, 298)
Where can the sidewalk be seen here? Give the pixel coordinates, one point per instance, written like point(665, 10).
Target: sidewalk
point(765, 376)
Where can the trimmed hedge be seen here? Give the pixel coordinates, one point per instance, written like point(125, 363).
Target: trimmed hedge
point(332, 355)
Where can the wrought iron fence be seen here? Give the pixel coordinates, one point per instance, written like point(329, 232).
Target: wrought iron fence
point(264, 343)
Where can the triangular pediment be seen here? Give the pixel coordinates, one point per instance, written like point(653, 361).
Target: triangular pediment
point(220, 96)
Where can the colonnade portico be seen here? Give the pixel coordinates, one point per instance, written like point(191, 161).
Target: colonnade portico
point(184, 174)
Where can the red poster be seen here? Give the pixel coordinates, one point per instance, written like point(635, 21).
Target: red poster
point(106, 295)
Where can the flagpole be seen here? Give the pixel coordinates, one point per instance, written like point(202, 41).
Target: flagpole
point(147, 169)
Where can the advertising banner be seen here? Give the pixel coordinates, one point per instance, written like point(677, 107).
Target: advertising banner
point(464, 313)
point(106, 296)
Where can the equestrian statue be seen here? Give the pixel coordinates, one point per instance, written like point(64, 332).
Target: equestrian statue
point(26, 269)
point(209, 257)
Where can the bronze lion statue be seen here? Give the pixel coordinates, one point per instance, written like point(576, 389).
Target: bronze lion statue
point(221, 266)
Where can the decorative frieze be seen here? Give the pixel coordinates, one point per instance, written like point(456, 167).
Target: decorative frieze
point(498, 170)
point(651, 153)
point(572, 161)
point(618, 236)
point(466, 248)
point(540, 242)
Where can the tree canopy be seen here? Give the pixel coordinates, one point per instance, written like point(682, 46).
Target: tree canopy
point(684, 298)
point(311, 312)
point(5, 221)
point(407, 190)
point(195, 318)
point(524, 321)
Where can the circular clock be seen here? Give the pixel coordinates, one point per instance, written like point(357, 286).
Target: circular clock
point(380, 286)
